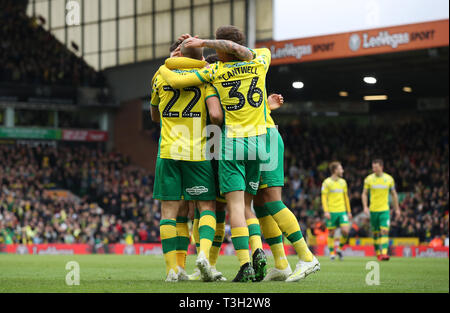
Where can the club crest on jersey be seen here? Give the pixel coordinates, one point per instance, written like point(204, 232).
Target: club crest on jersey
point(196, 190)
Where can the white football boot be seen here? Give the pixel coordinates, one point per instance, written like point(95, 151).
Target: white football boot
point(303, 269)
point(276, 274)
point(172, 277)
point(204, 267)
point(196, 275)
point(182, 276)
point(217, 276)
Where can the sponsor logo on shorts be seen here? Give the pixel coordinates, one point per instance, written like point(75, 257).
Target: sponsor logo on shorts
point(196, 190)
point(254, 185)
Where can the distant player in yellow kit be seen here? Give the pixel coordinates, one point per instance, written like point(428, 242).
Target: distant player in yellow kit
point(336, 207)
point(380, 184)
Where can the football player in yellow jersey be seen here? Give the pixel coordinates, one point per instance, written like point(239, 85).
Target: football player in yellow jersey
point(379, 185)
point(220, 215)
point(336, 207)
point(182, 169)
point(274, 216)
point(239, 79)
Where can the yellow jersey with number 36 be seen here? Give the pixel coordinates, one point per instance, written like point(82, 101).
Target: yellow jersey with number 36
point(183, 114)
point(241, 89)
point(269, 120)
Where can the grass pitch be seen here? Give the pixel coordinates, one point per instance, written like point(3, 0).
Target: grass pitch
point(121, 273)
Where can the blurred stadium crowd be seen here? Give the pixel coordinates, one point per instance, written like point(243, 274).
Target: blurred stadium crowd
point(114, 201)
point(31, 55)
point(114, 198)
point(418, 163)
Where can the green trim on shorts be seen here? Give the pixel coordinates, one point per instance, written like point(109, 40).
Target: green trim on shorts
point(337, 219)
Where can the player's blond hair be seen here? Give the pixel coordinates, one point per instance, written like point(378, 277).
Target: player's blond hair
point(333, 166)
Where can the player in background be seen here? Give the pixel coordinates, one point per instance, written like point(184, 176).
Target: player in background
point(182, 170)
point(336, 207)
point(379, 185)
point(241, 88)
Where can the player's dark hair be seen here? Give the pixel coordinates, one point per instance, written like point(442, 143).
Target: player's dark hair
point(333, 166)
point(232, 33)
point(193, 53)
point(213, 58)
point(378, 161)
point(175, 45)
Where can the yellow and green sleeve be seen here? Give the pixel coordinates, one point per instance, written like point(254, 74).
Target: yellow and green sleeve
point(179, 81)
point(155, 95)
point(324, 202)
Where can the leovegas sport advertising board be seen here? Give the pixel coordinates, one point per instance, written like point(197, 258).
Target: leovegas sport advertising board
point(359, 43)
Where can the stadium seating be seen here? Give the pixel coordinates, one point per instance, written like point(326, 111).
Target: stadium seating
point(115, 197)
point(31, 55)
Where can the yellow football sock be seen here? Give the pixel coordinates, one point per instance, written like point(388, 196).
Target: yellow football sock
point(254, 234)
point(376, 242)
point(342, 241)
point(218, 238)
point(303, 251)
point(288, 224)
point(273, 237)
point(206, 230)
point(331, 245)
point(239, 237)
point(182, 241)
point(168, 233)
point(384, 243)
point(279, 256)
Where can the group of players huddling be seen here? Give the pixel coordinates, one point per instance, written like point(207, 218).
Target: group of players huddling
point(219, 152)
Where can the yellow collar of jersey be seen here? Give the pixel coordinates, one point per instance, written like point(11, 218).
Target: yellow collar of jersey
point(182, 63)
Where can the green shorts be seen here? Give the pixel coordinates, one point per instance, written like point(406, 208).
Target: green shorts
point(380, 220)
point(240, 164)
point(274, 176)
point(215, 166)
point(177, 180)
point(337, 220)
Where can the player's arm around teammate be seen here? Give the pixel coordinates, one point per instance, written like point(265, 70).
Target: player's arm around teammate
point(237, 176)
